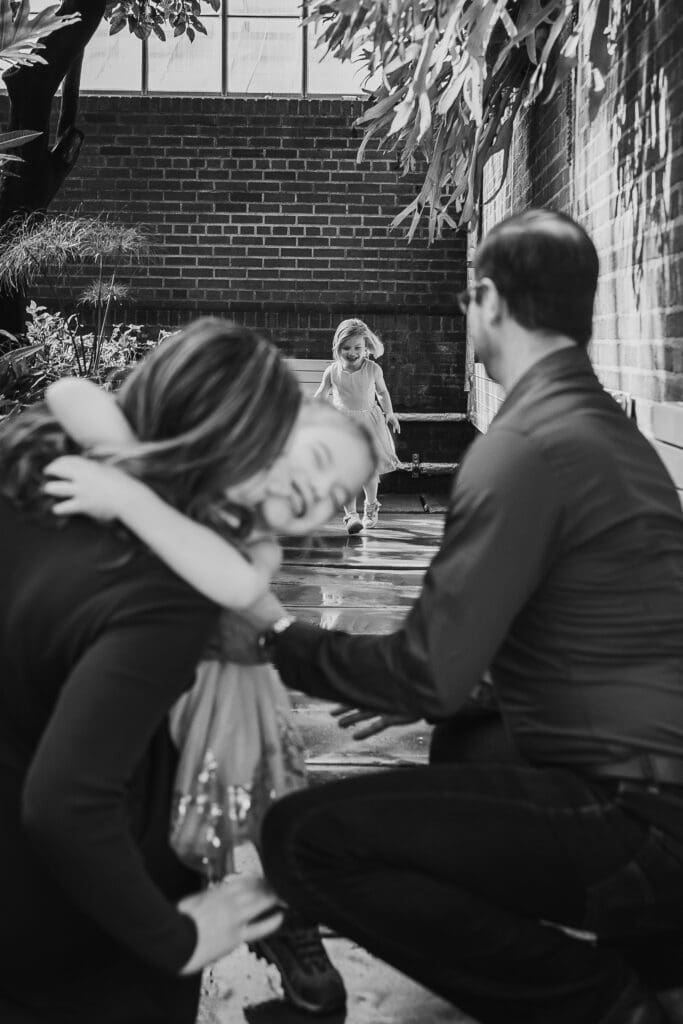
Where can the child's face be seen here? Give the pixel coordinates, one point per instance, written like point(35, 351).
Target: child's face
point(352, 351)
point(326, 464)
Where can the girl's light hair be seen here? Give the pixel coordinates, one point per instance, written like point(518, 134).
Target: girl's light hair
point(356, 329)
point(211, 406)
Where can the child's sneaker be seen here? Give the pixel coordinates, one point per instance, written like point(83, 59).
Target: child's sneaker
point(370, 514)
point(352, 523)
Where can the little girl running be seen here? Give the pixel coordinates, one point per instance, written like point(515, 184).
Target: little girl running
point(356, 384)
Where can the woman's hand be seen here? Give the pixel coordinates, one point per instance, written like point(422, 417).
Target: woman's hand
point(87, 487)
point(393, 422)
point(241, 909)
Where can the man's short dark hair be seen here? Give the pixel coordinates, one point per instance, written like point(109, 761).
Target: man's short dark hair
point(546, 268)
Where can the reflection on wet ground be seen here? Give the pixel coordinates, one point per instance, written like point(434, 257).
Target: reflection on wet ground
point(364, 584)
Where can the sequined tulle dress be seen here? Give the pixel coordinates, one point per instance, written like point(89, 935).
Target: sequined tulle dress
point(355, 394)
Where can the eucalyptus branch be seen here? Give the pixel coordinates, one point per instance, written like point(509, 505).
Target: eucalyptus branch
point(450, 78)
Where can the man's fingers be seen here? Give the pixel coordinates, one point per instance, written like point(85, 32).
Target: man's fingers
point(352, 717)
point(371, 729)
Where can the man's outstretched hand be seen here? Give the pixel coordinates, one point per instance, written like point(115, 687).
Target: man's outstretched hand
point(375, 721)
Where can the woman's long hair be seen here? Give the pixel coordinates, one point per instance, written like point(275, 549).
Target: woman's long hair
point(211, 406)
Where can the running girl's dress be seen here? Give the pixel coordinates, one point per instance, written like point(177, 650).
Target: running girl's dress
point(355, 394)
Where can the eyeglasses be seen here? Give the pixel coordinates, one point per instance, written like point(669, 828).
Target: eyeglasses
point(465, 297)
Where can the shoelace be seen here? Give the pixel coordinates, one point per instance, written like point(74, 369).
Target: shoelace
point(307, 945)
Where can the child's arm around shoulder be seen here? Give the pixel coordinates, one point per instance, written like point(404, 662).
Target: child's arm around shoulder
point(194, 552)
point(87, 487)
point(89, 415)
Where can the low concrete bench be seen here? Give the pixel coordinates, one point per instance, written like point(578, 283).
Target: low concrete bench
point(309, 373)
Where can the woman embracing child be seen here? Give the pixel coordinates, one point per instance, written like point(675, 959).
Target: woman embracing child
point(357, 388)
point(234, 725)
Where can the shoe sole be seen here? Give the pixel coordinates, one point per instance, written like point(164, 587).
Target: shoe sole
point(352, 530)
point(263, 951)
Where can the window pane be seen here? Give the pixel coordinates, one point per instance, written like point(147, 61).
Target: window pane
point(179, 65)
point(112, 62)
point(264, 55)
point(292, 8)
point(327, 74)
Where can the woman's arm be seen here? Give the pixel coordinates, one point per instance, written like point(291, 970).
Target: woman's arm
point(88, 414)
point(75, 800)
point(196, 553)
point(385, 400)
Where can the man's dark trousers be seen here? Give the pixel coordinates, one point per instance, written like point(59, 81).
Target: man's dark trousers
point(458, 875)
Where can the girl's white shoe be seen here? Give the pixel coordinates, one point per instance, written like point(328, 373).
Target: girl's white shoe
point(370, 514)
point(352, 523)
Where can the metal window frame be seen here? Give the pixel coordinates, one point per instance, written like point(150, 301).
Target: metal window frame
point(224, 16)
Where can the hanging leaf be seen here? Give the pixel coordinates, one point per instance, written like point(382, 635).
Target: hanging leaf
point(21, 34)
point(453, 74)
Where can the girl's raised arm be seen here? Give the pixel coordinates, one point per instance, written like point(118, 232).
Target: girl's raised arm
point(196, 553)
point(88, 414)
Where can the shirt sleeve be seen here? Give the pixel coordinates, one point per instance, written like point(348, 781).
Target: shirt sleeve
point(74, 802)
point(501, 527)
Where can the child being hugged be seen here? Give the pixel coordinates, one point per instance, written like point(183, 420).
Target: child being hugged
point(356, 385)
point(317, 478)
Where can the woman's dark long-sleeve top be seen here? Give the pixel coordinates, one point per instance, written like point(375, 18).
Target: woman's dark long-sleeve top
point(94, 649)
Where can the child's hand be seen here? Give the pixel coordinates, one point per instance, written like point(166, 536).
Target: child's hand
point(88, 488)
point(393, 422)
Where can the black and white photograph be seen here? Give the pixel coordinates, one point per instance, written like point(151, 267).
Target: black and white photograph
point(341, 511)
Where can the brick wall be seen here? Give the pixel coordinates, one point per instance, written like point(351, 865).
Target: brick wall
point(258, 210)
point(621, 176)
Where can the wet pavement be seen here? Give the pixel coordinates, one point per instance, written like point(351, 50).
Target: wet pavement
point(362, 584)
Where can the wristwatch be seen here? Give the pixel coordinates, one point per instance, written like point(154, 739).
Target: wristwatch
point(267, 639)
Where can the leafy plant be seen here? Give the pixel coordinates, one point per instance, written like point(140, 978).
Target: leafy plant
point(33, 247)
point(20, 40)
point(146, 16)
point(41, 248)
point(58, 347)
point(452, 76)
point(21, 35)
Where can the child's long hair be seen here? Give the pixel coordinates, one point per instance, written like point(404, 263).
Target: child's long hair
point(356, 329)
point(211, 406)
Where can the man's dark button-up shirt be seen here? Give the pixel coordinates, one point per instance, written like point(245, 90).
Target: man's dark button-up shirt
point(561, 570)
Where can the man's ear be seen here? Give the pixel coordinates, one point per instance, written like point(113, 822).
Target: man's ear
point(493, 305)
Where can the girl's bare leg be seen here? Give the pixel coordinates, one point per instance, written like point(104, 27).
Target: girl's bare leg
point(371, 489)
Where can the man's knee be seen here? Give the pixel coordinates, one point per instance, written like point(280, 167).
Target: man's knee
point(302, 832)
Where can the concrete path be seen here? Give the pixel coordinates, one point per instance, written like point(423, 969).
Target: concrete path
point(362, 584)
